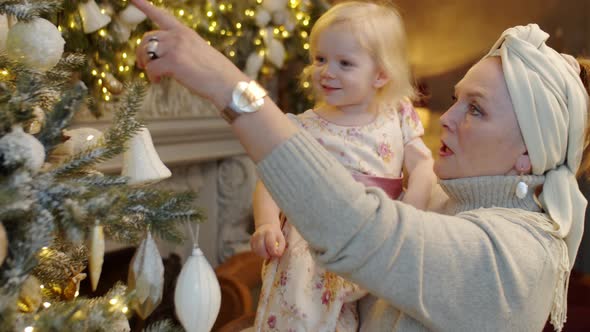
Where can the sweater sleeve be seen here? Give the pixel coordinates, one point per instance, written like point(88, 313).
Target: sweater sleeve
point(448, 272)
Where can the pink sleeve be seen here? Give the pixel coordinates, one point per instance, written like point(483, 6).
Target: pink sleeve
point(410, 122)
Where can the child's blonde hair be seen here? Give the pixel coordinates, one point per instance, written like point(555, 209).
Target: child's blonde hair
point(379, 29)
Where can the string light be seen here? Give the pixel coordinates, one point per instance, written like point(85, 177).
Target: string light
point(125, 309)
point(113, 301)
point(46, 304)
point(28, 329)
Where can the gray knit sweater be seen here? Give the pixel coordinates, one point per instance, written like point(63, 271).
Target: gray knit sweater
point(482, 269)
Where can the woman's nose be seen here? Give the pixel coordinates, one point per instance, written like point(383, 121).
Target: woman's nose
point(447, 120)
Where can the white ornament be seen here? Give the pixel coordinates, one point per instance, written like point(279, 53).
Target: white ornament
point(275, 53)
point(132, 16)
point(122, 31)
point(197, 296)
point(274, 5)
point(262, 18)
point(37, 43)
point(82, 139)
point(253, 64)
point(96, 256)
point(521, 189)
point(92, 17)
point(3, 31)
point(280, 17)
point(141, 163)
point(20, 148)
point(146, 277)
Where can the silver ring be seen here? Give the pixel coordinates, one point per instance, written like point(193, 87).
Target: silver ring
point(152, 47)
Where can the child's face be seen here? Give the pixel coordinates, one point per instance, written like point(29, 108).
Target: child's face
point(344, 74)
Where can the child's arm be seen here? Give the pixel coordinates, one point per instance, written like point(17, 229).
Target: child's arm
point(267, 240)
point(419, 166)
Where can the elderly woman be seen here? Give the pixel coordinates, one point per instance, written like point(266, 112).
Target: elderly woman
point(511, 145)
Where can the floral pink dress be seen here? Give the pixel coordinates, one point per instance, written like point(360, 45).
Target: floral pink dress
point(297, 294)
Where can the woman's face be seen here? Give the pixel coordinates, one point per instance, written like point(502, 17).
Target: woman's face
point(480, 134)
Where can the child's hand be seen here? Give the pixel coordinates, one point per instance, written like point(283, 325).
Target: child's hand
point(268, 241)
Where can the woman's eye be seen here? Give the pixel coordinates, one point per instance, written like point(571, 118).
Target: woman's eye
point(474, 110)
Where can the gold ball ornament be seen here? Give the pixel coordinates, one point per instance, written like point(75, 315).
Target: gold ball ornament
point(29, 298)
point(3, 244)
point(113, 84)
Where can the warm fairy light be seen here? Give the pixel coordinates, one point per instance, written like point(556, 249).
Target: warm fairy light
point(303, 34)
point(222, 32)
point(29, 329)
point(258, 1)
point(285, 34)
point(238, 25)
point(262, 32)
point(181, 12)
point(138, 41)
point(5, 72)
point(107, 98)
point(102, 11)
point(46, 304)
point(257, 42)
point(214, 24)
point(44, 248)
point(100, 81)
point(124, 55)
point(276, 31)
point(211, 28)
point(299, 16)
point(89, 137)
point(72, 25)
point(126, 68)
point(121, 68)
point(76, 294)
point(222, 7)
point(232, 53)
point(261, 52)
point(103, 75)
point(306, 22)
point(209, 13)
point(59, 28)
point(306, 46)
point(113, 301)
point(306, 85)
point(94, 72)
point(41, 286)
point(104, 90)
point(142, 75)
point(293, 3)
point(125, 309)
point(102, 33)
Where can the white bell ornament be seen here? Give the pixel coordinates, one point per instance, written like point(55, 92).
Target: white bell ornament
point(262, 18)
point(92, 17)
point(121, 30)
point(141, 163)
point(131, 16)
point(197, 297)
point(275, 53)
point(37, 44)
point(274, 5)
point(253, 64)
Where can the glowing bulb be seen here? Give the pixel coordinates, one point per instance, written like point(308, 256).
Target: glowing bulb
point(142, 75)
point(306, 22)
point(94, 72)
point(276, 31)
point(299, 16)
point(125, 309)
point(209, 14)
point(29, 329)
point(100, 81)
point(103, 75)
point(121, 68)
point(238, 25)
point(76, 294)
point(211, 28)
point(222, 7)
point(138, 41)
point(306, 46)
point(90, 137)
point(44, 248)
point(306, 85)
point(102, 33)
point(304, 34)
point(124, 55)
point(257, 42)
point(5, 72)
point(102, 11)
point(107, 98)
point(59, 28)
point(285, 34)
point(181, 12)
point(232, 53)
point(104, 90)
point(41, 286)
point(113, 301)
point(214, 24)
point(72, 25)
point(46, 304)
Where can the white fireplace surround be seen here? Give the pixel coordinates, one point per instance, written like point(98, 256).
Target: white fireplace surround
point(204, 157)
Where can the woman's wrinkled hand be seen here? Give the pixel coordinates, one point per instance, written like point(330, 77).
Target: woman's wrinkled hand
point(182, 54)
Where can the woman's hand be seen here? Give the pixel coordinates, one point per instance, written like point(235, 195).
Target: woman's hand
point(182, 54)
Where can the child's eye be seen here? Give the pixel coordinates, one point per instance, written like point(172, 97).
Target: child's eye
point(320, 59)
point(345, 63)
point(454, 98)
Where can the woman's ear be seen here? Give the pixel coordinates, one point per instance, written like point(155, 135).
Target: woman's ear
point(380, 80)
point(523, 164)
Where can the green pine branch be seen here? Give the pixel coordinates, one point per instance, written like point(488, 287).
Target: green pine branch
point(25, 10)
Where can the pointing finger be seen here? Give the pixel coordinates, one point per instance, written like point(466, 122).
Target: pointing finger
point(159, 16)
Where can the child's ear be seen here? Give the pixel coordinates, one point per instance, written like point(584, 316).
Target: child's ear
point(380, 80)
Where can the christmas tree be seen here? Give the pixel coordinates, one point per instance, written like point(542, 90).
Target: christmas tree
point(55, 208)
point(267, 39)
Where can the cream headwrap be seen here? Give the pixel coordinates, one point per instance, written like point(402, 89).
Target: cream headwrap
point(550, 103)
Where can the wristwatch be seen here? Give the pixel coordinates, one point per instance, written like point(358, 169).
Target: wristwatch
point(247, 97)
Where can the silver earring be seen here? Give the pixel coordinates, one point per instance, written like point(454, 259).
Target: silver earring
point(521, 188)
